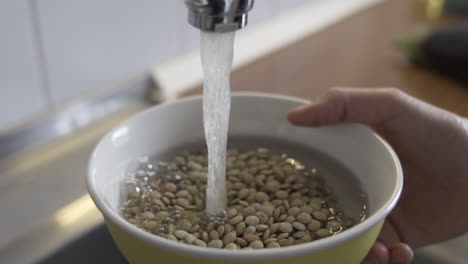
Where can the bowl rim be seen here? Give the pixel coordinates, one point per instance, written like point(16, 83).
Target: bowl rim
point(240, 255)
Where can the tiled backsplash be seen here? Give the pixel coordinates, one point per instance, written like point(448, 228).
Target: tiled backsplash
point(52, 51)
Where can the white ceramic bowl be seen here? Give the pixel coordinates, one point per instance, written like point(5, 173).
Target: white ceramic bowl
point(166, 126)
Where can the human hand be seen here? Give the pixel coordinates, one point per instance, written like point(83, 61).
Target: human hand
point(432, 145)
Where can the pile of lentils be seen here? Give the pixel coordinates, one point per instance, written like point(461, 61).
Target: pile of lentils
point(273, 201)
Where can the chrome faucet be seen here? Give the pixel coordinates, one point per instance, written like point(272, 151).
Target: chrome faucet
point(218, 15)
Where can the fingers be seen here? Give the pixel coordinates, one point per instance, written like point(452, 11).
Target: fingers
point(401, 253)
point(368, 106)
point(379, 254)
point(398, 253)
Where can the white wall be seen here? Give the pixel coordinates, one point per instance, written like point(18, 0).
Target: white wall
point(89, 44)
point(21, 93)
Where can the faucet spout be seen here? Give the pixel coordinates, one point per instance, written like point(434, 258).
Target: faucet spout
point(218, 15)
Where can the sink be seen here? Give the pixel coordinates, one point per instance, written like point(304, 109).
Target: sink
point(95, 246)
point(453, 251)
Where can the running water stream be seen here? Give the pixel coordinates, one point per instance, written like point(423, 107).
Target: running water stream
point(216, 57)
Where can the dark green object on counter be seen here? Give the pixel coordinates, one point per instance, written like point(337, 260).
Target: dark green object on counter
point(456, 6)
point(444, 51)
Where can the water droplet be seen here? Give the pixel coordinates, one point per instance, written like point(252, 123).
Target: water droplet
point(176, 177)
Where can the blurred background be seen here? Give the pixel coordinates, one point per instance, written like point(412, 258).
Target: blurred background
point(71, 70)
point(56, 51)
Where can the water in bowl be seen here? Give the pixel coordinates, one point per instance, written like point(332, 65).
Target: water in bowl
point(344, 183)
point(170, 199)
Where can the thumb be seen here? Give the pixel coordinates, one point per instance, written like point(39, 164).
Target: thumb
point(372, 107)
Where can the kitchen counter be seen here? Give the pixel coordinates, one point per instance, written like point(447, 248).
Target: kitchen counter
point(357, 52)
